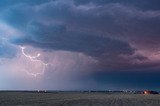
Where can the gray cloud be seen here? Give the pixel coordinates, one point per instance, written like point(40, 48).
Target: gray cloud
point(7, 50)
point(90, 27)
point(144, 5)
point(102, 43)
point(56, 37)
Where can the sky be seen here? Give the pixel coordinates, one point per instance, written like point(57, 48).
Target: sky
point(79, 44)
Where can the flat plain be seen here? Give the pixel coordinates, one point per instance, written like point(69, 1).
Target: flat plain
point(77, 99)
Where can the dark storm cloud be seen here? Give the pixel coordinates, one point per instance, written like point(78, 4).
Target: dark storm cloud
point(144, 5)
point(112, 20)
point(115, 33)
point(58, 38)
point(6, 50)
point(105, 29)
point(7, 3)
point(129, 79)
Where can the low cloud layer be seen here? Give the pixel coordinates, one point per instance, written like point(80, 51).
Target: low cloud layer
point(109, 35)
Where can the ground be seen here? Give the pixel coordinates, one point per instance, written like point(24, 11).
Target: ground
point(77, 99)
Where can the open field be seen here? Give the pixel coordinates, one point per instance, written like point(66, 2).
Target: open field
point(76, 99)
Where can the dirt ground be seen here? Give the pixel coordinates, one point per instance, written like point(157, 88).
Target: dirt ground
point(77, 99)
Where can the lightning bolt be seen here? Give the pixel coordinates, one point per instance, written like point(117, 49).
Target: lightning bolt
point(34, 59)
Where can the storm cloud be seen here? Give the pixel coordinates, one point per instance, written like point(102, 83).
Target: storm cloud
point(109, 36)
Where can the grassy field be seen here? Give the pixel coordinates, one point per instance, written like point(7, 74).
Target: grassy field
point(77, 99)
